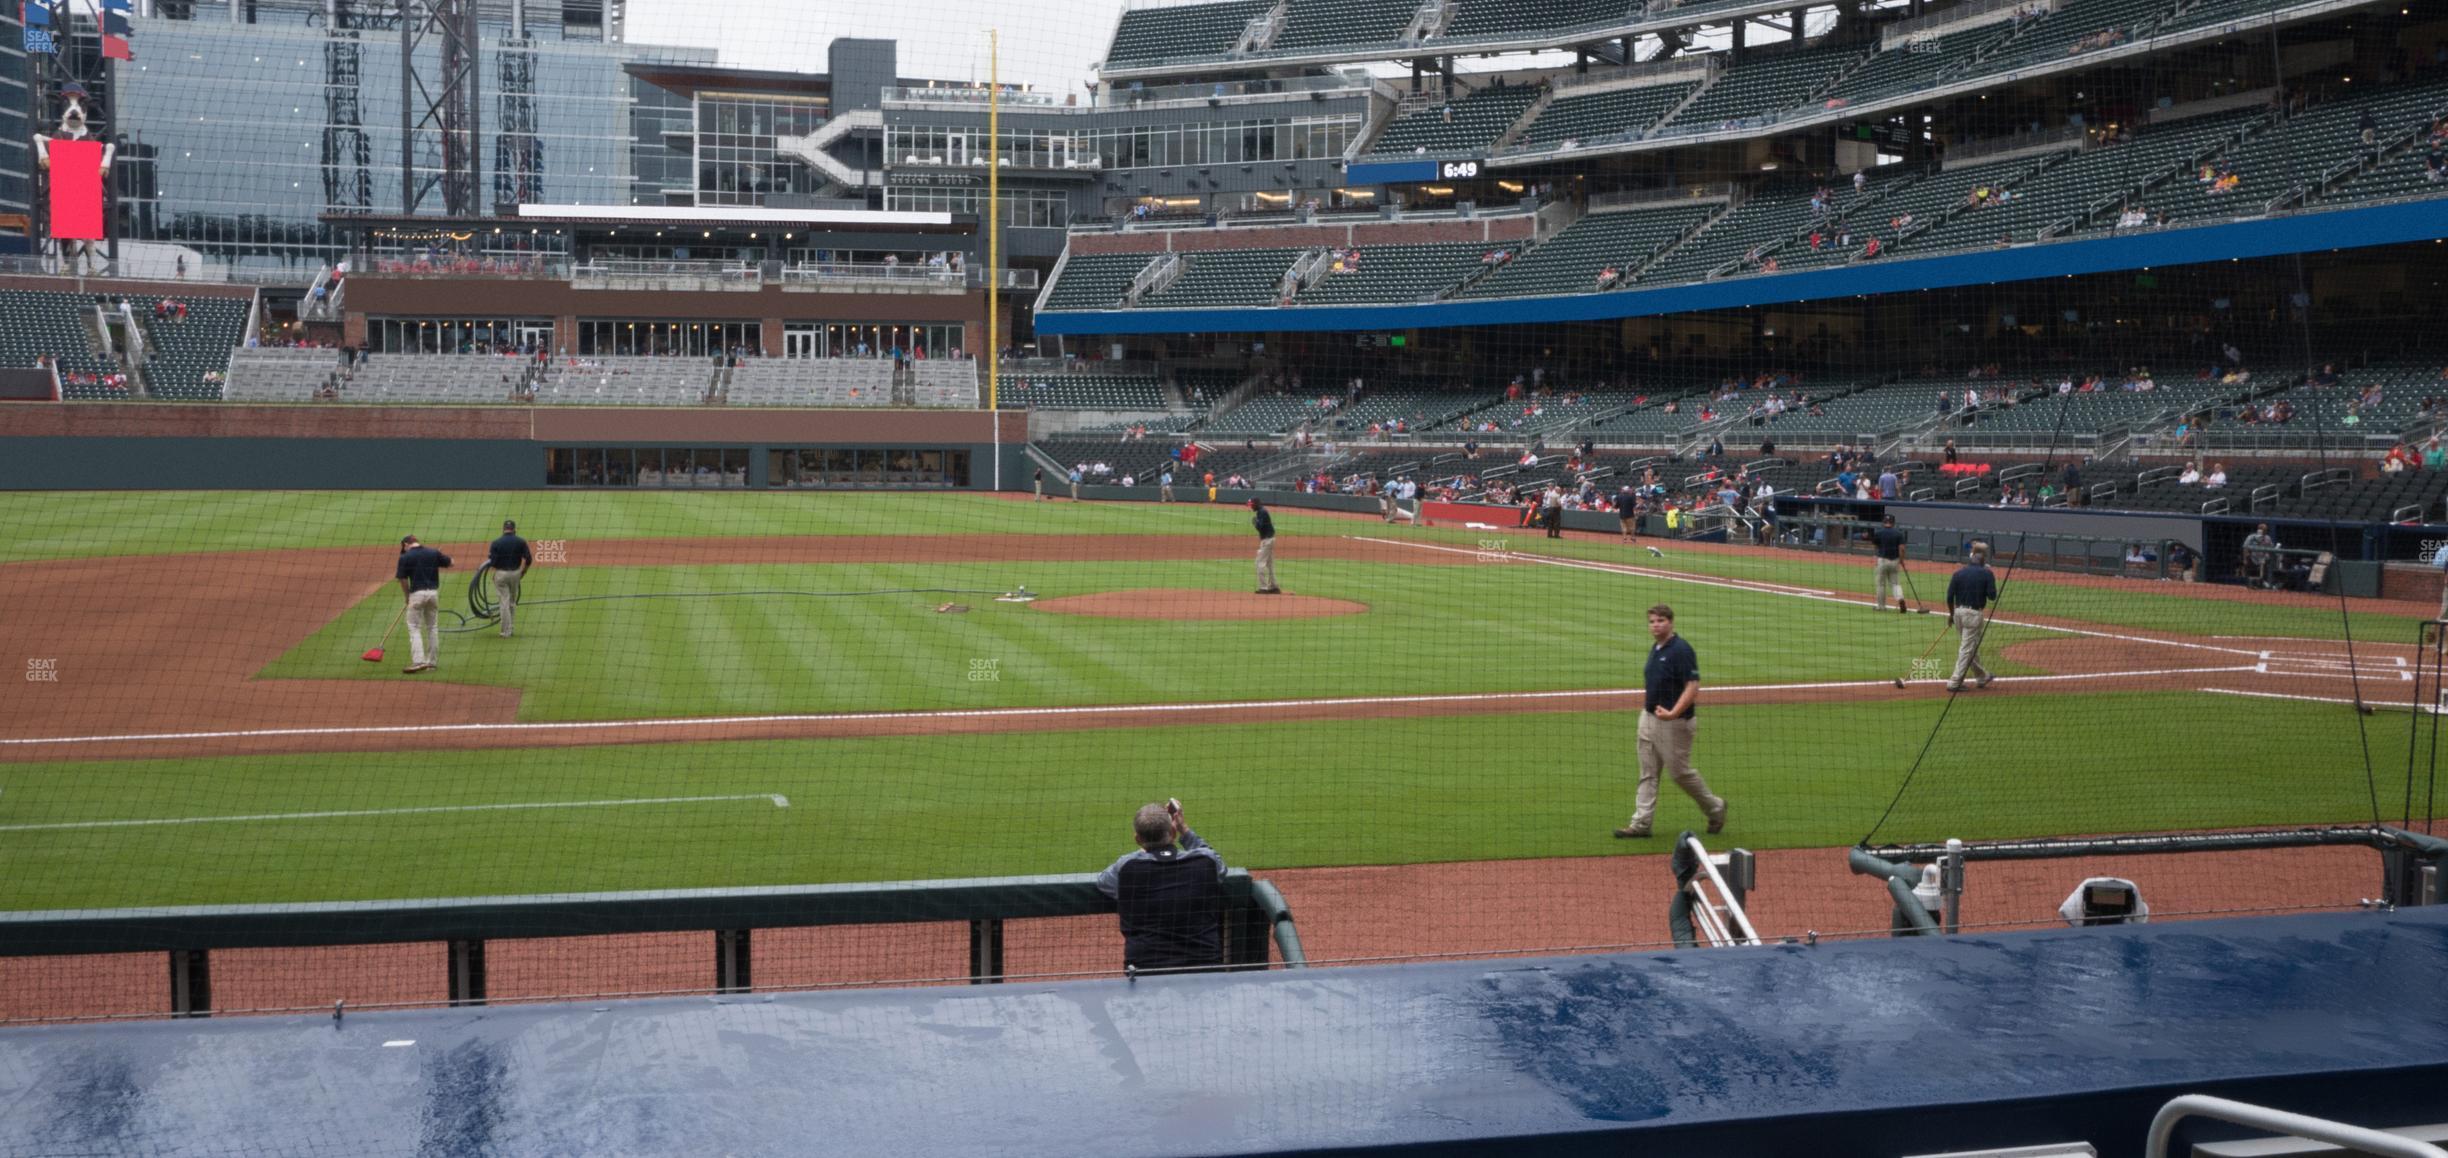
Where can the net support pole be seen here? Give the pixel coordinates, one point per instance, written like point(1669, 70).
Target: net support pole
point(986, 951)
point(467, 972)
point(731, 956)
point(190, 983)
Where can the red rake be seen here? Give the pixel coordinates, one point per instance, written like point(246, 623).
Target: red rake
point(374, 654)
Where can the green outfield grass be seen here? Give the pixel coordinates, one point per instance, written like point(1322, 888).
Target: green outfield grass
point(1385, 791)
point(1428, 629)
point(77, 525)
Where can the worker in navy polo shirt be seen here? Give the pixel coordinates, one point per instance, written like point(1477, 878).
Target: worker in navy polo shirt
point(511, 557)
point(1666, 724)
point(1890, 575)
point(420, 579)
point(1969, 595)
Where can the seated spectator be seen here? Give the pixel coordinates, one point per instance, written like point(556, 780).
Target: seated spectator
point(1169, 895)
point(2191, 476)
point(2217, 477)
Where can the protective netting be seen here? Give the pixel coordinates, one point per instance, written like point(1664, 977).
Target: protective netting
point(2153, 331)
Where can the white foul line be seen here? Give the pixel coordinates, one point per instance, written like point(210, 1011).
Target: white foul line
point(779, 801)
point(2373, 704)
point(1025, 713)
point(1822, 596)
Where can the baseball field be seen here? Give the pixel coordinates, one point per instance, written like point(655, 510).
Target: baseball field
point(711, 689)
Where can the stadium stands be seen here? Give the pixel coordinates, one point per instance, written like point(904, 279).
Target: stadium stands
point(1488, 19)
point(950, 383)
point(36, 324)
point(1605, 115)
point(597, 381)
point(2293, 156)
point(1228, 277)
point(280, 375)
point(1398, 273)
point(755, 382)
point(1154, 35)
point(1769, 83)
point(1095, 281)
point(1467, 125)
point(1571, 261)
point(1331, 23)
point(188, 340)
point(1918, 63)
point(1082, 391)
point(1265, 414)
point(460, 378)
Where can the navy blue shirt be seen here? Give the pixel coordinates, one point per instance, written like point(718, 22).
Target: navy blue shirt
point(1264, 522)
point(1890, 542)
point(511, 553)
point(1973, 586)
point(422, 568)
point(1673, 666)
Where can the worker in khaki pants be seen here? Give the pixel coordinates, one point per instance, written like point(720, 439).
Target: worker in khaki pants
point(1969, 595)
point(1672, 680)
point(510, 557)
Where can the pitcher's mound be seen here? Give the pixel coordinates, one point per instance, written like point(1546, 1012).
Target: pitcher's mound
point(1162, 603)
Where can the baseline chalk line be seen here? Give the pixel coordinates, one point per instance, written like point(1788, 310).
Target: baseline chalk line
point(778, 801)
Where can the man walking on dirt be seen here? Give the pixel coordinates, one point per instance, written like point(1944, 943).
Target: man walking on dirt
point(510, 557)
point(1890, 567)
point(420, 579)
point(1672, 691)
point(1969, 594)
point(1265, 525)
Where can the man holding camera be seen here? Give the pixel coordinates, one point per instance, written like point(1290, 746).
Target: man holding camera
point(1170, 894)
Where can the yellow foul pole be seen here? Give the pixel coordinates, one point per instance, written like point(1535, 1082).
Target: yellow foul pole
point(994, 220)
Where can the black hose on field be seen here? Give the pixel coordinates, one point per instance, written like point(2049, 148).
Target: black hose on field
point(482, 611)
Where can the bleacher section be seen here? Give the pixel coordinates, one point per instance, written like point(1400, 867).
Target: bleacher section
point(1095, 281)
point(1569, 262)
point(1605, 115)
point(459, 378)
point(1146, 459)
point(1082, 391)
point(598, 381)
point(1399, 273)
point(1153, 35)
point(34, 323)
point(2295, 154)
point(1481, 19)
point(2065, 32)
point(1468, 125)
point(1767, 84)
point(1328, 23)
point(1266, 414)
point(768, 382)
point(182, 351)
point(1235, 277)
point(1770, 217)
point(950, 383)
point(285, 375)
point(1918, 64)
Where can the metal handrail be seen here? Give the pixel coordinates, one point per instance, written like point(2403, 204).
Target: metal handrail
point(2358, 1138)
point(1713, 923)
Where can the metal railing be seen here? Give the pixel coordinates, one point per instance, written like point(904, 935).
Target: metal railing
point(2354, 1139)
point(1721, 920)
point(708, 274)
point(914, 275)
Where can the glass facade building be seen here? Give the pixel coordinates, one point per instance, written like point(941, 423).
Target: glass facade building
point(240, 137)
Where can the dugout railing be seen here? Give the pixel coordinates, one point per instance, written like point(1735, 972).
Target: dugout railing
point(1255, 919)
point(2410, 864)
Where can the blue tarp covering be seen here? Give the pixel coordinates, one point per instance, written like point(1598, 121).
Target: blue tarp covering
point(1868, 1047)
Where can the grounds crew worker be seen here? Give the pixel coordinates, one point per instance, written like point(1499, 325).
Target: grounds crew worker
point(1969, 594)
point(1265, 524)
point(1890, 574)
point(420, 579)
point(511, 557)
point(1170, 897)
